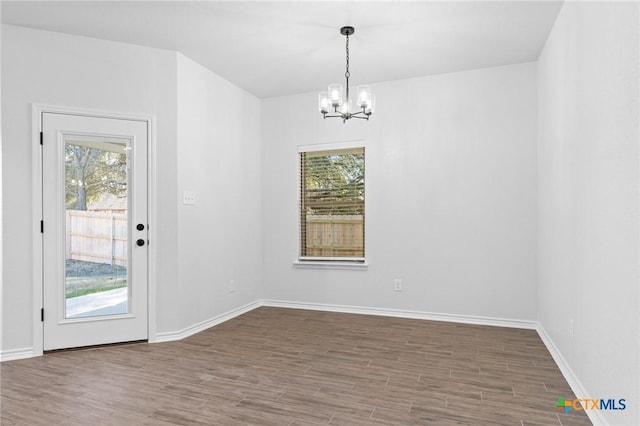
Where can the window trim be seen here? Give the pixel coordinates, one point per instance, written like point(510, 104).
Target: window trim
point(314, 264)
point(353, 263)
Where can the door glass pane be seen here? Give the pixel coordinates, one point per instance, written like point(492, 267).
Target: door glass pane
point(97, 230)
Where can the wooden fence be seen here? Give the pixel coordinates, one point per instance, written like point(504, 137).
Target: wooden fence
point(97, 237)
point(335, 235)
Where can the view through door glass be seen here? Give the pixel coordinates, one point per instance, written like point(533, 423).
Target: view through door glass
point(96, 235)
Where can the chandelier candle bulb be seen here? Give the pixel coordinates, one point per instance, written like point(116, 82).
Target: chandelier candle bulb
point(346, 107)
point(364, 96)
point(335, 94)
point(323, 102)
point(370, 108)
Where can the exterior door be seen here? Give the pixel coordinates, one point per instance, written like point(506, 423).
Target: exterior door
point(94, 230)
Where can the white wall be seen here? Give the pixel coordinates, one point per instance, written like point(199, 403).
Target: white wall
point(52, 68)
point(450, 201)
point(219, 159)
point(588, 197)
point(1, 209)
point(201, 146)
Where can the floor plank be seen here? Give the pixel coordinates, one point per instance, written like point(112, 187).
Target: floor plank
point(276, 366)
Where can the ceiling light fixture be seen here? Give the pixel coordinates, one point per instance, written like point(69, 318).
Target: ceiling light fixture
point(343, 105)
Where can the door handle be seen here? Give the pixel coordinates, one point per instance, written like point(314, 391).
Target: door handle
point(140, 227)
point(140, 242)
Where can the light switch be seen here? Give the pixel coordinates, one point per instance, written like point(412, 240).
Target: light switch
point(188, 197)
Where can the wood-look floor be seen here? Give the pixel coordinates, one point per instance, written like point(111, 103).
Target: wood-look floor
point(294, 367)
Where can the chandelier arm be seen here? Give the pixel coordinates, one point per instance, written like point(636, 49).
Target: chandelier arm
point(348, 117)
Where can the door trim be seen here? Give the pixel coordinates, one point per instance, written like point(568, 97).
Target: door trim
point(37, 213)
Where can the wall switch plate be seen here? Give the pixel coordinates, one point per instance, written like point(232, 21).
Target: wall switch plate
point(188, 197)
point(232, 286)
point(397, 284)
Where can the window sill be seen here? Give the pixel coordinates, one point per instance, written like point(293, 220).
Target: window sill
point(310, 264)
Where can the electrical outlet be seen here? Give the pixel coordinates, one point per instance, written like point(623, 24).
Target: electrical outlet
point(188, 197)
point(232, 286)
point(397, 284)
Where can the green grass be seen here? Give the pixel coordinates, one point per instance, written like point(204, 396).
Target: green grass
point(80, 286)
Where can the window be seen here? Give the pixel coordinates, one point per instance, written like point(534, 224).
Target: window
point(332, 205)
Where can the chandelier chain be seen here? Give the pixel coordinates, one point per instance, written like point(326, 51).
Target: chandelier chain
point(347, 74)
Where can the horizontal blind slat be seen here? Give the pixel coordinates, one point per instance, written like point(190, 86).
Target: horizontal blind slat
point(332, 204)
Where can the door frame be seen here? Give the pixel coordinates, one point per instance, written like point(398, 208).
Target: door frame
point(37, 213)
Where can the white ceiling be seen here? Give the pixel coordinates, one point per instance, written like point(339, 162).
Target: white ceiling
point(281, 48)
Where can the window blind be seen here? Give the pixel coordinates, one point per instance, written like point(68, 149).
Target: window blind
point(332, 205)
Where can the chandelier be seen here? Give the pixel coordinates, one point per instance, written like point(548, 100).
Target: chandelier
point(340, 101)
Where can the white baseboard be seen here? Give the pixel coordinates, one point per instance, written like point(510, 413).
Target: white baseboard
point(201, 326)
point(13, 354)
point(464, 319)
point(576, 386)
point(578, 389)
